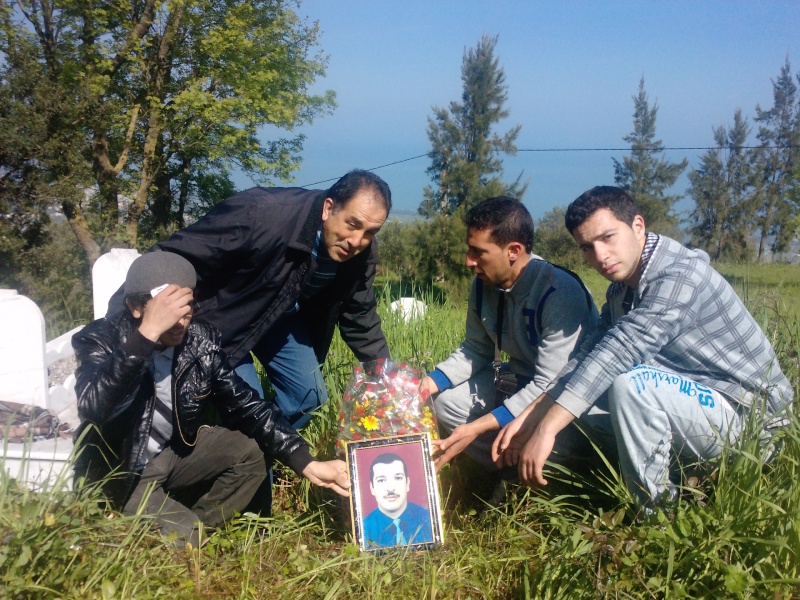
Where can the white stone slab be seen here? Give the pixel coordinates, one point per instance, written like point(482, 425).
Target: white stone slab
point(409, 308)
point(23, 371)
point(108, 273)
point(46, 462)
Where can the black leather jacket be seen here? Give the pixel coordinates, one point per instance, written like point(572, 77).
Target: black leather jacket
point(116, 394)
point(252, 254)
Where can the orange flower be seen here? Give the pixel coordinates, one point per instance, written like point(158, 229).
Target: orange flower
point(369, 423)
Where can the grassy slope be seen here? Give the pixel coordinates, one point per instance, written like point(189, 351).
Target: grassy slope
point(737, 539)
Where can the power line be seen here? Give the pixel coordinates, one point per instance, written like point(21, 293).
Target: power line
point(625, 149)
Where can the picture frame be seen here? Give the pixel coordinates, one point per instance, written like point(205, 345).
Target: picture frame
point(394, 494)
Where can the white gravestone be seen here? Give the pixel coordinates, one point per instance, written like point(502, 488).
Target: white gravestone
point(108, 273)
point(23, 371)
point(409, 308)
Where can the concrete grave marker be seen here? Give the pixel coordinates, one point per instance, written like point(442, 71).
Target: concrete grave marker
point(23, 371)
point(108, 273)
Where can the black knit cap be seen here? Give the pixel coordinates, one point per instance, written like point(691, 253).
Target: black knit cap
point(154, 269)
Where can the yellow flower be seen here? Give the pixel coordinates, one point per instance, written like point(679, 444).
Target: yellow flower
point(369, 423)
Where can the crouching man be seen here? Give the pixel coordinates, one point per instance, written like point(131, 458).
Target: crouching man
point(144, 379)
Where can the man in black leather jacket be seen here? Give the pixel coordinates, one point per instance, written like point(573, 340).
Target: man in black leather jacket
point(144, 380)
point(278, 269)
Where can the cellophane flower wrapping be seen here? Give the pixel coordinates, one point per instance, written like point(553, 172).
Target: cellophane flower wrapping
point(381, 400)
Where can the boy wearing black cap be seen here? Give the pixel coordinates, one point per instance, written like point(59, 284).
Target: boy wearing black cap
point(144, 380)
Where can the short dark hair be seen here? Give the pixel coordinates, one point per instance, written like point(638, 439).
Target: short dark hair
point(137, 301)
point(386, 458)
point(618, 201)
point(356, 180)
point(507, 219)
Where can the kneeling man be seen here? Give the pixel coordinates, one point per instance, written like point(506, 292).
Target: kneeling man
point(144, 381)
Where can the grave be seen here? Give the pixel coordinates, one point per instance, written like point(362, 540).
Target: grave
point(25, 358)
point(408, 308)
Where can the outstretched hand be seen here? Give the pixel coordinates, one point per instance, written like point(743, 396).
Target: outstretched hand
point(512, 438)
point(331, 474)
point(530, 439)
point(450, 447)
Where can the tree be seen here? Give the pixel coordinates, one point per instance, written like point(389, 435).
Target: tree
point(554, 243)
point(465, 167)
point(775, 162)
point(172, 95)
point(722, 190)
point(646, 174)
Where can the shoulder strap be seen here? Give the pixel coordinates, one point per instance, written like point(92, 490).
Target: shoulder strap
point(589, 300)
point(479, 294)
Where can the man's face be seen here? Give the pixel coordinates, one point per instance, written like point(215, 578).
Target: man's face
point(349, 230)
point(487, 260)
point(390, 487)
point(613, 248)
point(175, 334)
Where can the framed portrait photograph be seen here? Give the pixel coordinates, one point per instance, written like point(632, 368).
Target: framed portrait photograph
point(394, 498)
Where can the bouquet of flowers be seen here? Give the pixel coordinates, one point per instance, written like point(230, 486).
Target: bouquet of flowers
point(381, 400)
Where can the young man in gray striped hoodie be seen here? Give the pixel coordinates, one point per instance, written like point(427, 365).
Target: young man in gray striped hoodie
point(677, 356)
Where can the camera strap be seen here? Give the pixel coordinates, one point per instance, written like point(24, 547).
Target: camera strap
point(497, 363)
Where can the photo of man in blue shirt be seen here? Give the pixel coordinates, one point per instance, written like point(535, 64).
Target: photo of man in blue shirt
point(396, 521)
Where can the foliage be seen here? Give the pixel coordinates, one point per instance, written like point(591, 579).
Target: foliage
point(645, 174)
point(554, 243)
point(722, 188)
point(775, 164)
point(98, 553)
point(429, 253)
point(464, 166)
point(54, 274)
point(159, 100)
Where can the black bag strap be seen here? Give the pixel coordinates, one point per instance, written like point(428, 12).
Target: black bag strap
point(499, 337)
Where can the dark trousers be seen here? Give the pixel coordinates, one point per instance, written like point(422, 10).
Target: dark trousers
point(218, 477)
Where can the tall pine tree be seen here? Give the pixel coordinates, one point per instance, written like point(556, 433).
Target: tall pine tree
point(646, 173)
point(465, 166)
point(776, 161)
point(722, 190)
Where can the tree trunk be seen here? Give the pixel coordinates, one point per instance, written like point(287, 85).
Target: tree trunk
point(765, 226)
point(184, 193)
point(151, 164)
point(81, 230)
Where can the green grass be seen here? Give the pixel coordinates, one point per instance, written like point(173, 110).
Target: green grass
point(737, 538)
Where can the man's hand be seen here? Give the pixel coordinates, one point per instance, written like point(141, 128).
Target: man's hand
point(164, 311)
point(513, 437)
point(462, 436)
point(540, 445)
point(427, 385)
point(330, 474)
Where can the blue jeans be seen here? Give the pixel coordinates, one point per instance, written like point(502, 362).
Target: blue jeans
point(291, 365)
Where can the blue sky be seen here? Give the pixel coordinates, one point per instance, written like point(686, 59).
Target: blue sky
point(571, 69)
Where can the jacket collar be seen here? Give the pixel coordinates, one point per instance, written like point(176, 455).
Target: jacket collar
point(305, 235)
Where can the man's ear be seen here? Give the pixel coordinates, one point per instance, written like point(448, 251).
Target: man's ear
point(137, 313)
point(327, 209)
point(514, 250)
point(638, 226)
